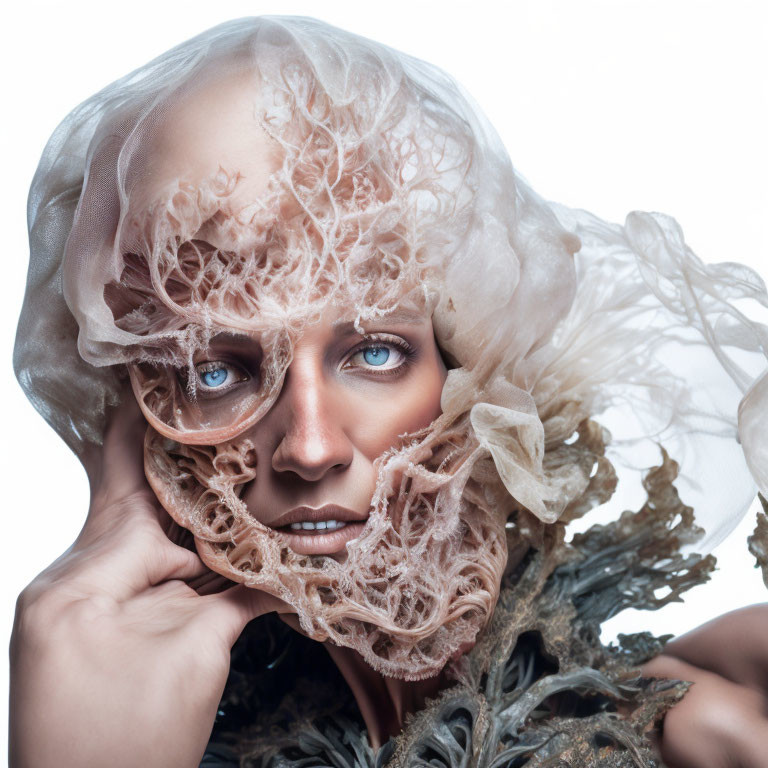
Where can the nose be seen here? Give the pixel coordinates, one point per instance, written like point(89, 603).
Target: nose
point(311, 436)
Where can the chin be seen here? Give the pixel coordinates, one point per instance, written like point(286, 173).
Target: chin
point(409, 588)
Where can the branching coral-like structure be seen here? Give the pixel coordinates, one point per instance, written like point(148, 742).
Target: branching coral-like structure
point(272, 167)
point(370, 206)
point(420, 579)
point(539, 688)
point(758, 541)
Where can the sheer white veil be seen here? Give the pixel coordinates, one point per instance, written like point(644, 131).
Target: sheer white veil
point(551, 314)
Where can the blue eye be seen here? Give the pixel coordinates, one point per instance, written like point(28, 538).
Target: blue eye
point(384, 356)
point(219, 376)
point(376, 355)
point(215, 377)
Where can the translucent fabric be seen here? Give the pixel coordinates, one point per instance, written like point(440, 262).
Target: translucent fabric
point(326, 168)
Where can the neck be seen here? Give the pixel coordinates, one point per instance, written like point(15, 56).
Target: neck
point(383, 701)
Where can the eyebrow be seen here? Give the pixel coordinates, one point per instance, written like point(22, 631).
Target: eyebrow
point(405, 316)
point(235, 339)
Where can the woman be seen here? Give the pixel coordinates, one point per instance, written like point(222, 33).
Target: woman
point(338, 306)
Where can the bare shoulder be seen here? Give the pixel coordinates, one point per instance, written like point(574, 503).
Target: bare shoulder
point(731, 645)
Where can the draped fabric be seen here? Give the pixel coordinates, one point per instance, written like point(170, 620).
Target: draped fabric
point(364, 177)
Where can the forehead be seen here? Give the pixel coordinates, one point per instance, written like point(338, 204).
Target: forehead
point(332, 321)
point(214, 125)
point(270, 244)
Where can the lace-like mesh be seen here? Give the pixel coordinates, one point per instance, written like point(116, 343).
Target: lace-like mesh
point(328, 169)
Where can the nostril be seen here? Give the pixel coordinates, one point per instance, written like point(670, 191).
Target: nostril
point(312, 460)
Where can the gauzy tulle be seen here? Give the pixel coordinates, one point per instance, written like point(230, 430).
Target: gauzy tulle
point(330, 168)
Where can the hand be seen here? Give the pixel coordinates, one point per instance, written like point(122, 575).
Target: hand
point(722, 721)
point(115, 660)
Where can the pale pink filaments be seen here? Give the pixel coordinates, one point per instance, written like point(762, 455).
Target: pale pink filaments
point(354, 213)
point(338, 170)
point(197, 268)
point(418, 584)
point(356, 218)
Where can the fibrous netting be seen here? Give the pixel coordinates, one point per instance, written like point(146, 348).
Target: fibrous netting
point(539, 689)
point(271, 167)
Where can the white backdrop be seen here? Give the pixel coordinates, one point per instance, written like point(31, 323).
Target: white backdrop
point(609, 105)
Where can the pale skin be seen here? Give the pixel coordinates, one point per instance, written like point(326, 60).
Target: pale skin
point(113, 622)
point(722, 722)
point(114, 658)
point(335, 415)
point(134, 650)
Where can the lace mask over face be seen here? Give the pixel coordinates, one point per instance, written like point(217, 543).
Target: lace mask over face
point(422, 578)
point(258, 251)
point(271, 168)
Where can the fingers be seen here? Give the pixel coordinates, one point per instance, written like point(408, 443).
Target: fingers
point(121, 472)
point(232, 609)
point(171, 562)
point(127, 560)
point(116, 472)
point(210, 583)
point(125, 545)
point(125, 539)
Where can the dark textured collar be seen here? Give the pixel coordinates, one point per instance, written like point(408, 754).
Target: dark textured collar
point(539, 685)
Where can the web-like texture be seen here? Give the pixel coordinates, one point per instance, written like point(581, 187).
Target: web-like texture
point(420, 580)
point(366, 208)
point(271, 167)
point(539, 689)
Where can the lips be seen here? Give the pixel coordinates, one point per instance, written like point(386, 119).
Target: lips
point(320, 514)
point(318, 541)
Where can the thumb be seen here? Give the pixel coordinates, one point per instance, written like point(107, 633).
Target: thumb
point(233, 608)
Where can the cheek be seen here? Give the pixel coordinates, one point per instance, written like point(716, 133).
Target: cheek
point(379, 415)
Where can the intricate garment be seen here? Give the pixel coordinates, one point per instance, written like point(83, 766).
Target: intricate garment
point(538, 689)
point(339, 172)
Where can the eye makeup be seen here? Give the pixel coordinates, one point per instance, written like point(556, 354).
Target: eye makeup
point(230, 360)
point(218, 376)
point(232, 363)
point(378, 345)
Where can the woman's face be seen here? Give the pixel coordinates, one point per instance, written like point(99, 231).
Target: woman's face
point(345, 399)
point(277, 455)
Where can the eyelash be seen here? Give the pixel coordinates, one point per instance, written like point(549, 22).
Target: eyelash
point(371, 342)
point(214, 365)
point(374, 342)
